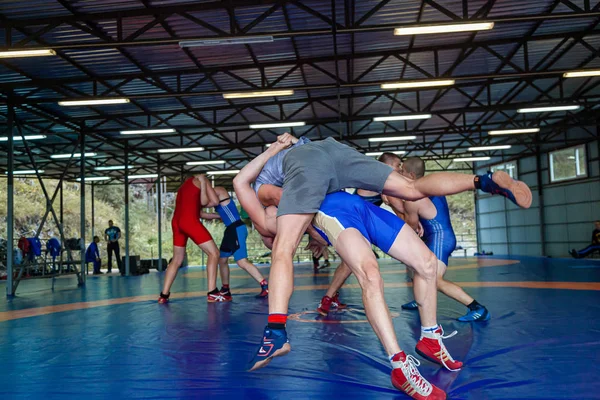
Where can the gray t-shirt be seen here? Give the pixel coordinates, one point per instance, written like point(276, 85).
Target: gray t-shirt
point(272, 173)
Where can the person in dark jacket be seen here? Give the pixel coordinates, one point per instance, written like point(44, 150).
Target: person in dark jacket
point(92, 255)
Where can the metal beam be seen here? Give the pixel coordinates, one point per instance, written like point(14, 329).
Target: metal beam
point(10, 210)
point(83, 270)
point(127, 269)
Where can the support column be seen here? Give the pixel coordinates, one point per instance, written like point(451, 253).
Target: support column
point(93, 224)
point(540, 189)
point(82, 203)
point(127, 270)
point(159, 215)
point(10, 202)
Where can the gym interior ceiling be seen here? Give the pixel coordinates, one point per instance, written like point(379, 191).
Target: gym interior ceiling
point(179, 65)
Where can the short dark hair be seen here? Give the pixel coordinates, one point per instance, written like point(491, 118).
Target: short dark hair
point(388, 157)
point(415, 165)
point(96, 238)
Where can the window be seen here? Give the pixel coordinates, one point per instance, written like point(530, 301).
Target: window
point(509, 167)
point(568, 164)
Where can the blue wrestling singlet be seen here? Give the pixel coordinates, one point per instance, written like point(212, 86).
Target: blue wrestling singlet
point(439, 235)
point(341, 210)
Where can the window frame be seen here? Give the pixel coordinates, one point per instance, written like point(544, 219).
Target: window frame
point(576, 178)
point(515, 162)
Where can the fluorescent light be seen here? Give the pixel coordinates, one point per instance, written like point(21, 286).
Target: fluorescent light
point(548, 109)
point(514, 131)
point(112, 168)
point(181, 150)
point(143, 176)
point(27, 53)
point(225, 41)
point(466, 159)
point(26, 172)
point(402, 117)
point(217, 162)
point(94, 178)
point(97, 102)
point(378, 153)
point(75, 155)
point(582, 74)
point(19, 138)
point(147, 131)
point(267, 93)
point(232, 172)
point(391, 138)
point(444, 28)
point(278, 125)
point(484, 148)
point(417, 84)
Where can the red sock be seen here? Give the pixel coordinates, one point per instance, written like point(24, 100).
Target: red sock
point(263, 282)
point(277, 321)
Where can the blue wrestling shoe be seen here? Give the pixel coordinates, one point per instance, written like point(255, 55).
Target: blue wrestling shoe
point(274, 344)
point(479, 314)
point(502, 184)
point(410, 306)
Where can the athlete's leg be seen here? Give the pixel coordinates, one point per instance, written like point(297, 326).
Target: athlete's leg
point(357, 252)
point(410, 249)
point(448, 183)
point(224, 270)
point(212, 252)
point(450, 288)
point(251, 269)
point(342, 273)
point(173, 268)
point(290, 229)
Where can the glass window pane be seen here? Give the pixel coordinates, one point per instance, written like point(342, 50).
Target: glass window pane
point(568, 164)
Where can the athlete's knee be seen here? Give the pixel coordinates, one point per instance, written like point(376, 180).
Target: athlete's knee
point(213, 253)
point(369, 276)
point(243, 263)
point(428, 268)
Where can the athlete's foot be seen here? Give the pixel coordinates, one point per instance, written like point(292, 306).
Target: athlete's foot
point(336, 303)
point(325, 264)
point(217, 297)
point(478, 314)
point(324, 306)
point(410, 306)
point(274, 344)
point(264, 292)
point(574, 253)
point(226, 293)
point(163, 298)
point(406, 377)
point(502, 184)
point(432, 348)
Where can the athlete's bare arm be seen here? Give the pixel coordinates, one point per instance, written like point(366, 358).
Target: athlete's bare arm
point(396, 204)
point(244, 179)
point(411, 209)
point(223, 195)
point(209, 216)
point(269, 195)
point(208, 197)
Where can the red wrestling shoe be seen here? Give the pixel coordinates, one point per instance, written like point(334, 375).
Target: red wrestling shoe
point(336, 303)
point(163, 298)
point(325, 305)
point(407, 378)
point(431, 347)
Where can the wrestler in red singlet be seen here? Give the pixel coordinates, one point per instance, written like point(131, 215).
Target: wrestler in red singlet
point(195, 194)
point(186, 218)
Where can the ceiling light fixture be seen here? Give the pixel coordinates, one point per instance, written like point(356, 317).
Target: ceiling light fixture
point(26, 172)
point(216, 162)
point(147, 131)
point(514, 131)
point(142, 176)
point(182, 150)
point(75, 155)
point(418, 84)
point(484, 148)
point(392, 138)
point(444, 28)
point(266, 93)
point(225, 41)
point(548, 109)
point(112, 168)
point(20, 138)
point(97, 102)
point(94, 178)
point(582, 74)
point(467, 159)
point(402, 117)
point(27, 53)
point(278, 125)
